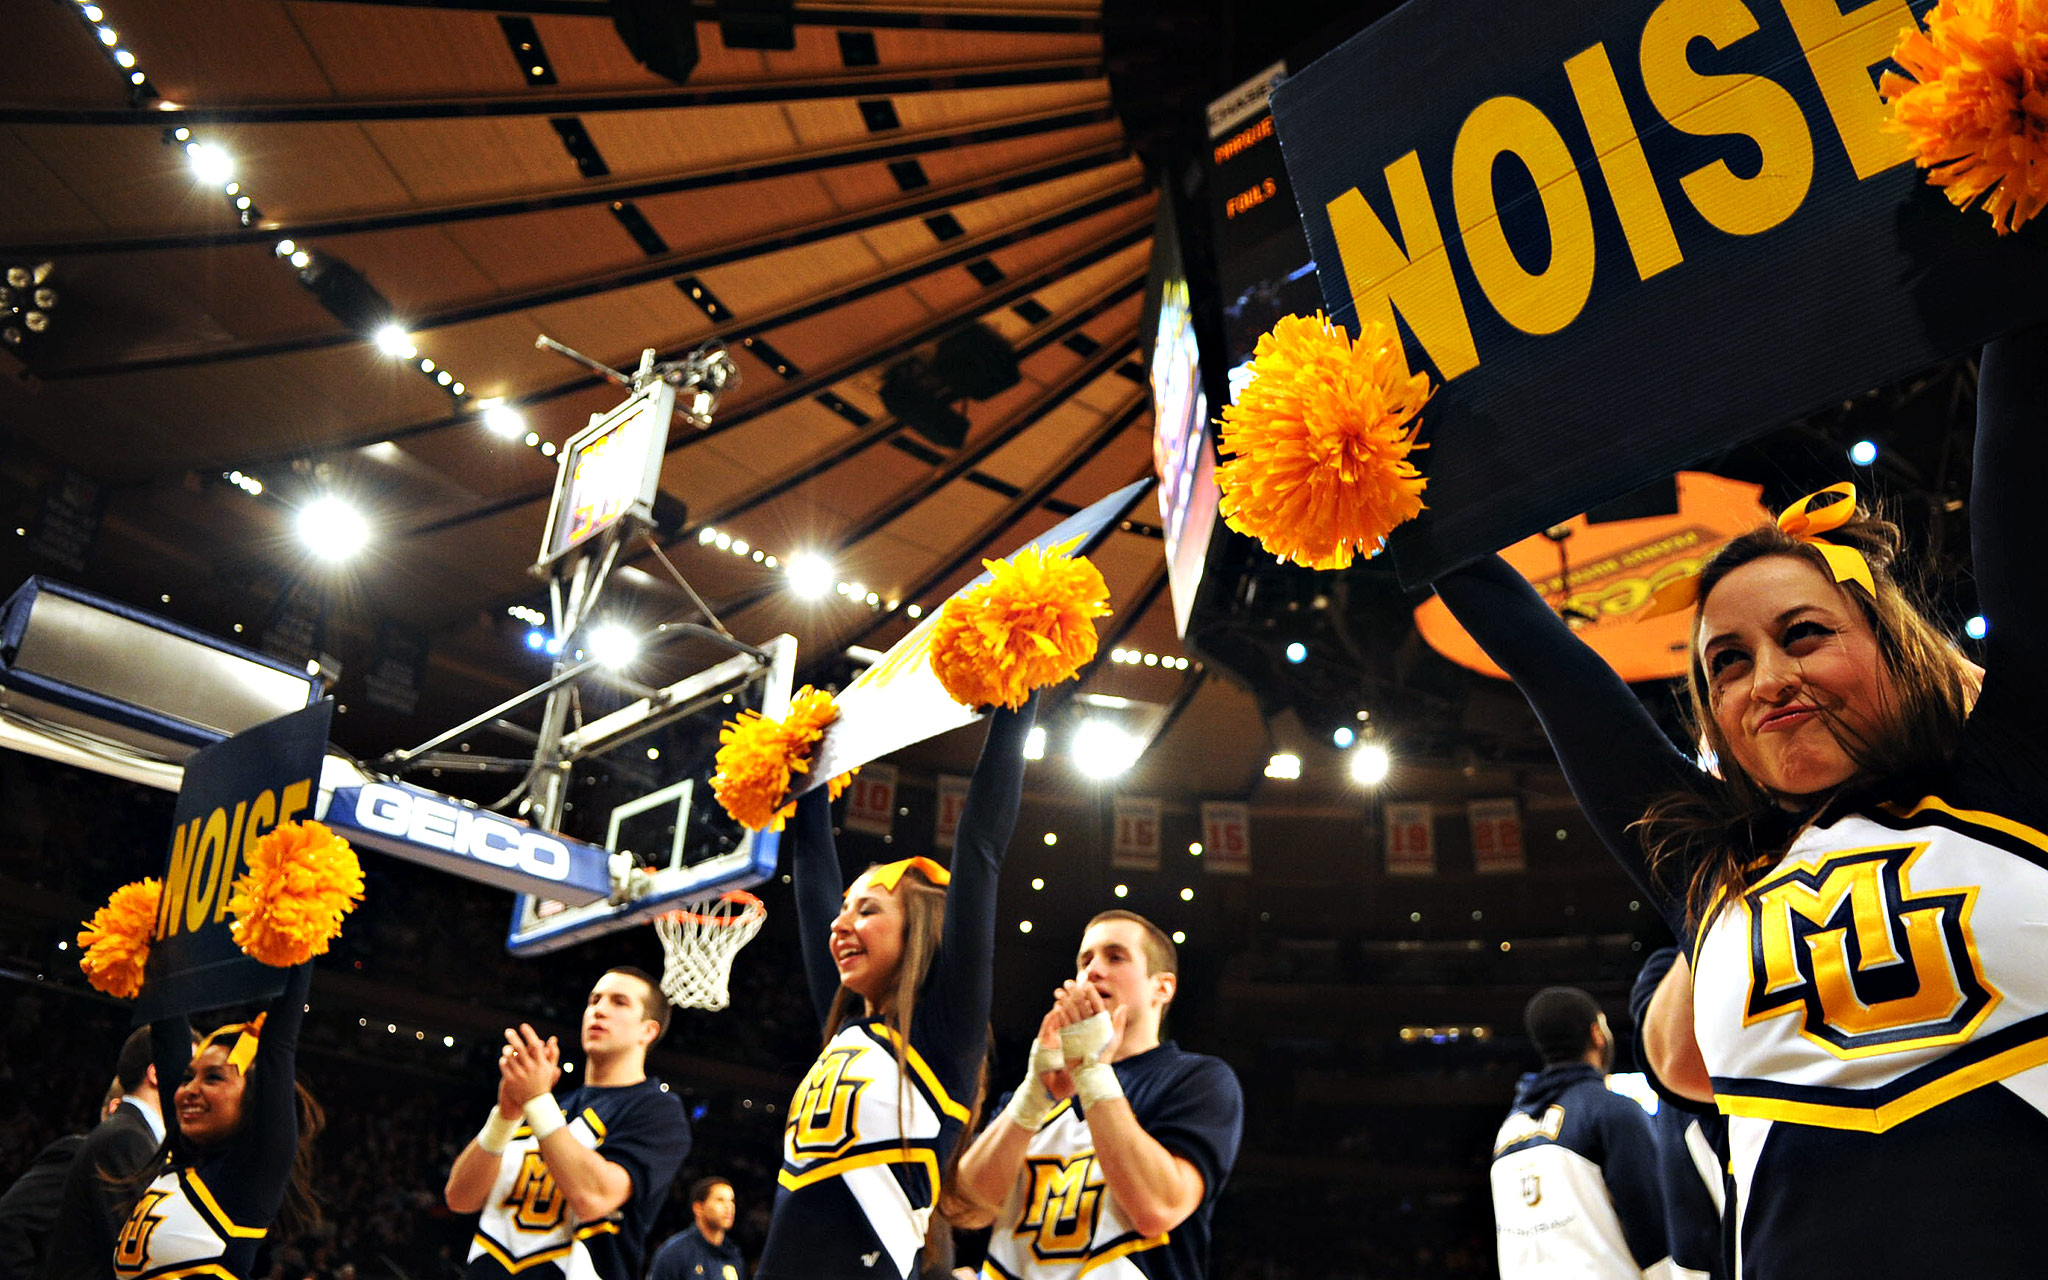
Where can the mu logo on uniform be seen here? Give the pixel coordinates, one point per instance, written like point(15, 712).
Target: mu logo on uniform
point(1062, 1205)
point(1532, 1189)
point(821, 1115)
point(535, 1203)
point(1869, 965)
point(131, 1251)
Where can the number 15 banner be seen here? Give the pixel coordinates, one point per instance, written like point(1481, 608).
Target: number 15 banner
point(1625, 234)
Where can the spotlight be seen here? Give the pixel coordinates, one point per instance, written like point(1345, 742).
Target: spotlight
point(613, 645)
point(332, 529)
point(915, 611)
point(503, 420)
point(125, 58)
point(1370, 764)
point(1297, 652)
point(286, 248)
point(393, 342)
point(1102, 750)
point(210, 164)
point(536, 639)
point(301, 259)
point(553, 647)
point(1976, 628)
point(1343, 737)
point(1284, 764)
point(810, 576)
point(1863, 452)
point(1034, 743)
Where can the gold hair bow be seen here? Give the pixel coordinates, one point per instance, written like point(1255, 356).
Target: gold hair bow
point(1801, 524)
point(247, 1035)
point(889, 873)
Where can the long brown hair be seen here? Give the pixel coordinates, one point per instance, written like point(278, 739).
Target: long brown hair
point(924, 925)
point(1732, 827)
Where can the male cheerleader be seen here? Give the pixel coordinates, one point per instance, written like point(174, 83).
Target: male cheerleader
point(1107, 1160)
point(568, 1189)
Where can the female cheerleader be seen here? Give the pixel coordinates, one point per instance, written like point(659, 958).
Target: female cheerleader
point(899, 972)
point(239, 1137)
point(1863, 888)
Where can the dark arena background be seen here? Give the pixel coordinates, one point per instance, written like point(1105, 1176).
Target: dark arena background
point(975, 266)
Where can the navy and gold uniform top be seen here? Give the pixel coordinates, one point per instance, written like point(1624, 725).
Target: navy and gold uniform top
point(1873, 1008)
point(526, 1228)
point(207, 1212)
point(1060, 1221)
point(865, 1141)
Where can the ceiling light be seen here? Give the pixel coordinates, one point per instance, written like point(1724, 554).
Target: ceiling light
point(1976, 628)
point(393, 342)
point(706, 535)
point(1283, 764)
point(1102, 750)
point(1863, 452)
point(210, 164)
point(613, 645)
point(1187, 895)
point(332, 529)
point(503, 420)
point(1023, 926)
point(1370, 764)
point(286, 248)
point(1034, 741)
point(810, 576)
point(1122, 891)
point(1179, 937)
point(916, 611)
point(1052, 838)
point(1343, 736)
point(1297, 652)
point(108, 37)
point(125, 58)
point(301, 258)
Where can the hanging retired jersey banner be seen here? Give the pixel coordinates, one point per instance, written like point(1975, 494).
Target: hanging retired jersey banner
point(952, 798)
point(1227, 837)
point(233, 793)
point(871, 800)
point(1496, 835)
point(1136, 843)
point(1625, 234)
point(1411, 841)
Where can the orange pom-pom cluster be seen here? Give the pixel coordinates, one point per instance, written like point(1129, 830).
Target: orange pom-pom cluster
point(1031, 625)
point(1321, 438)
point(1976, 107)
point(758, 757)
point(116, 940)
point(288, 906)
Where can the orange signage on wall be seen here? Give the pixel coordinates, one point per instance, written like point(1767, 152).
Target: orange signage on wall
point(1608, 574)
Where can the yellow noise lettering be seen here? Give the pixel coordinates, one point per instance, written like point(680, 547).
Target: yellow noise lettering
point(1412, 276)
point(821, 1116)
point(1062, 1205)
point(535, 1201)
point(131, 1250)
point(207, 854)
point(1869, 966)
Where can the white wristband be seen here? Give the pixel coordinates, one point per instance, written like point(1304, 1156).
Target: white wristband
point(497, 1132)
point(1030, 1105)
point(545, 1115)
point(1096, 1082)
point(1085, 1040)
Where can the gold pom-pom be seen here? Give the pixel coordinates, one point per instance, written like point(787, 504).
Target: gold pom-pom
point(1976, 107)
point(302, 880)
point(1031, 625)
point(116, 940)
point(757, 757)
point(1321, 438)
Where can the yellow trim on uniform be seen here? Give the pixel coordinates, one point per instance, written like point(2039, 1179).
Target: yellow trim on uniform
point(1127, 1247)
point(605, 1227)
point(1699, 941)
point(516, 1265)
point(596, 1125)
point(1976, 817)
point(1064, 1104)
point(832, 1169)
point(212, 1207)
point(924, 1073)
point(1899, 1110)
point(203, 1269)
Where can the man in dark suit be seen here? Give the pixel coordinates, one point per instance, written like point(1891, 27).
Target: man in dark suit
point(100, 1189)
point(30, 1205)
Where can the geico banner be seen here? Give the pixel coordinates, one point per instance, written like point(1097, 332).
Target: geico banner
point(1627, 234)
point(448, 835)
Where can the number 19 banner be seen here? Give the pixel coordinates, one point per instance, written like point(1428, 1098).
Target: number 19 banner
point(1626, 234)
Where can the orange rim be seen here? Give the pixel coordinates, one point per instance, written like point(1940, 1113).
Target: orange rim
point(752, 909)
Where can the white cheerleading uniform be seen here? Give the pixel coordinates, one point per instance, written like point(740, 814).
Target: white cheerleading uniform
point(179, 1229)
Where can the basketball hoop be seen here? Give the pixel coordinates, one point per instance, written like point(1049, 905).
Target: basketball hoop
point(699, 942)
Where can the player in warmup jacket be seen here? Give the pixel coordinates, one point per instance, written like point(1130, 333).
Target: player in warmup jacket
point(1574, 1175)
point(1108, 1159)
point(568, 1188)
point(238, 1139)
point(899, 973)
point(705, 1249)
point(1861, 888)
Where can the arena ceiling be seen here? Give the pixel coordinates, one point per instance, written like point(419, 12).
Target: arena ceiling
point(907, 168)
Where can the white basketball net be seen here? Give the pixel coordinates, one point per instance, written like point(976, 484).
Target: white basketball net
point(699, 943)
